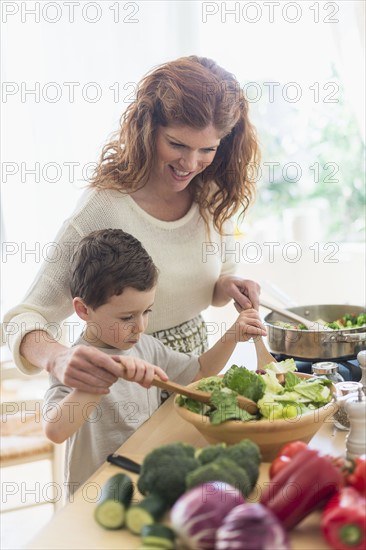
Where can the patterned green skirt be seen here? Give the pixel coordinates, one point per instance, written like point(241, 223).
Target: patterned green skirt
point(189, 337)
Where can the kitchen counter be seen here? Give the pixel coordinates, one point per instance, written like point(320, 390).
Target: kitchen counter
point(74, 527)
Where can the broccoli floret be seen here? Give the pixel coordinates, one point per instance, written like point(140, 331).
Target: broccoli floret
point(361, 319)
point(349, 319)
point(222, 469)
point(164, 471)
point(210, 453)
point(245, 454)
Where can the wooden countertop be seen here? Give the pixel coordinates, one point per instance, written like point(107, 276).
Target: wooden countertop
point(74, 527)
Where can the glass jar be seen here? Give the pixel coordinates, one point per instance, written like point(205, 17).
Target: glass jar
point(345, 390)
point(327, 369)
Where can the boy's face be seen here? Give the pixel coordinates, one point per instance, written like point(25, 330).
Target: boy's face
point(120, 321)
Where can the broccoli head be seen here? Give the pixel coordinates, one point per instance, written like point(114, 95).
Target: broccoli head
point(222, 469)
point(164, 471)
point(210, 453)
point(245, 454)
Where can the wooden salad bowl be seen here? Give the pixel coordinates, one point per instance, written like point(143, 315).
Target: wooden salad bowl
point(269, 435)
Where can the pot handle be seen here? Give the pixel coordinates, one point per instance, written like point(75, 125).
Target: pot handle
point(353, 337)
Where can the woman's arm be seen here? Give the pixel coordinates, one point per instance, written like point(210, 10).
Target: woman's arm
point(63, 419)
point(82, 367)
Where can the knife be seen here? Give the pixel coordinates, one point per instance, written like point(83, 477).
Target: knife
point(124, 462)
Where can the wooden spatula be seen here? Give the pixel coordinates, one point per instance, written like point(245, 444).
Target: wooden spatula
point(201, 396)
point(310, 325)
point(263, 355)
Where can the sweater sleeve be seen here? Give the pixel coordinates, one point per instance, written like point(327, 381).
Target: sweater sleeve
point(230, 250)
point(47, 303)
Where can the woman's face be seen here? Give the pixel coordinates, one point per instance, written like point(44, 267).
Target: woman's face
point(181, 153)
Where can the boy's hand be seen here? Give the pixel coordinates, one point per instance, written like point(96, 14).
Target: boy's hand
point(140, 371)
point(247, 325)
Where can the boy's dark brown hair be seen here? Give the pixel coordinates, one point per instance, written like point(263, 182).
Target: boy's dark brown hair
point(108, 261)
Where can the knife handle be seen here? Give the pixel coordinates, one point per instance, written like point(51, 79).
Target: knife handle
point(124, 462)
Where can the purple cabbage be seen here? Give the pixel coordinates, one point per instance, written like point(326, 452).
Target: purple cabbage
point(251, 527)
point(199, 512)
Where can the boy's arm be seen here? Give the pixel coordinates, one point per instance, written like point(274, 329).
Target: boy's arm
point(246, 326)
point(61, 420)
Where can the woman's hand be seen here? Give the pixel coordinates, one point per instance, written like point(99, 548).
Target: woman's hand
point(140, 371)
point(244, 292)
point(85, 368)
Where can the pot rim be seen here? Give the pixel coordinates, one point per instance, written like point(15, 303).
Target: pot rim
point(311, 331)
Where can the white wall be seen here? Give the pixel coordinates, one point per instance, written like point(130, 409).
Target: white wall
point(107, 51)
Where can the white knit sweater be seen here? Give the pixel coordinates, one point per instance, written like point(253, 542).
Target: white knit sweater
point(188, 260)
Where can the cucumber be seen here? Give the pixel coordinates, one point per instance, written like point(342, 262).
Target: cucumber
point(147, 511)
point(116, 496)
point(158, 536)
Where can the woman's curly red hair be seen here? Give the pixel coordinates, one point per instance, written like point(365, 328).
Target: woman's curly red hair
point(196, 92)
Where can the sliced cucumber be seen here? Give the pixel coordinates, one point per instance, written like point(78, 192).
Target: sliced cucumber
point(116, 496)
point(158, 536)
point(147, 511)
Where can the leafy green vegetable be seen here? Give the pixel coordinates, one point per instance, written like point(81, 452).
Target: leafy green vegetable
point(226, 407)
point(245, 382)
point(288, 365)
point(273, 409)
point(274, 399)
point(291, 380)
point(193, 405)
point(210, 383)
point(314, 390)
point(271, 382)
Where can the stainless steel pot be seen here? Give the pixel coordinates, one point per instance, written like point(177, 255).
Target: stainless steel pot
point(316, 345)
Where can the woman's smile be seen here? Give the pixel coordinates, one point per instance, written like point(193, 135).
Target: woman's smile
point(181, 153)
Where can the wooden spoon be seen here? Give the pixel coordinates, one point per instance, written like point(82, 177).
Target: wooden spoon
point(311, 325)
point(263, 355)
point(202, 396)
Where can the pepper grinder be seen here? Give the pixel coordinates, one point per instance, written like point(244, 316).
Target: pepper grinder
point(361, 358)
point(356, 438)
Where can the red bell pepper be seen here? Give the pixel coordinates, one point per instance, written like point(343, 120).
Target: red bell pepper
point(353, 471)
point(343, 520)
point(357, 477)
point(303, 485)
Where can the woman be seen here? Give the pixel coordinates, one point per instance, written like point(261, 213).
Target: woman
point(173, 176)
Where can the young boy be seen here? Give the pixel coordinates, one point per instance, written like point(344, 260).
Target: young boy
point(113, 286)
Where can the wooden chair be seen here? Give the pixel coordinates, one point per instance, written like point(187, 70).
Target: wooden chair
point(22, 439)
